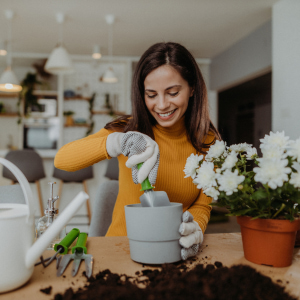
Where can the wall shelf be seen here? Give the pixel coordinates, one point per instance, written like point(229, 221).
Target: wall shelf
point(77, 125)
point(78, 98)
point(8, 114)
point(45, 93)
point(9, 95)
point(106, 112)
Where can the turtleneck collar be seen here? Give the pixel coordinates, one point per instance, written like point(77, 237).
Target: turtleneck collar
point(177, 130)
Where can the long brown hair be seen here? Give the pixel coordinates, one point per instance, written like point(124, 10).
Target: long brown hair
point(197, 120)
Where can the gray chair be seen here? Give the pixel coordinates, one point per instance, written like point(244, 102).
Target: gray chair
point(112, 170)
point(12, 194)
point(80, 176)
point(31, 165)
point(105, 200)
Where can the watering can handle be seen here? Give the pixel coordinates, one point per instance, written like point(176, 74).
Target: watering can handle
point(24, 185)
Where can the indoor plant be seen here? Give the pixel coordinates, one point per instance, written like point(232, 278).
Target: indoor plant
point(69, 119)
point(265, 198)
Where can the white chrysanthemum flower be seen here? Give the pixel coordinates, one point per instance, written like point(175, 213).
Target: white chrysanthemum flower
point(272, 151)
point(272, 171)
point(225, 154)
point(294, 149)
point(206, 176)
point(212, 192)
point(229, 181)
point(230, 161)
point(243, 147)
point(295, 180)
point(192, 164)
point(215, 150)
point(275, 139)
point(251, 152)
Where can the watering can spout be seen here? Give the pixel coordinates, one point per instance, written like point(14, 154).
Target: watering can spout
point(36, 250)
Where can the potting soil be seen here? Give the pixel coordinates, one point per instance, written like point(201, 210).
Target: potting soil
point(178, 282)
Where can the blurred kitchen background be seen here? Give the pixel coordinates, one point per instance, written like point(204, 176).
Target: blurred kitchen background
point(248, 52)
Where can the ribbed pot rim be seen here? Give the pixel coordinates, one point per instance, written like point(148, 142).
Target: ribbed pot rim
point(272, 225)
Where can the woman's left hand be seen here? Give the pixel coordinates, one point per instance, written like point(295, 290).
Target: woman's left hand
point(192, 236)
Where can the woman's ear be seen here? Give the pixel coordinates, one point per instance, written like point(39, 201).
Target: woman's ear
point(192, 92)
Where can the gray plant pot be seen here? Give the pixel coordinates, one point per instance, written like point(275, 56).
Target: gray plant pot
point(153, 233)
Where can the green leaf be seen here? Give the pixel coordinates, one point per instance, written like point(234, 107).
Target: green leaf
point(241, 212)
point(259, 194)
point(260, 216)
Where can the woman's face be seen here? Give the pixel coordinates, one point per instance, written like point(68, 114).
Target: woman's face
point(166, 95)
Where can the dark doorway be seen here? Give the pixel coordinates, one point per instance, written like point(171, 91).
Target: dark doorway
point(245, 111)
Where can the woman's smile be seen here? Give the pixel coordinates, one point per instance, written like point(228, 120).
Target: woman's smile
point(167, 115)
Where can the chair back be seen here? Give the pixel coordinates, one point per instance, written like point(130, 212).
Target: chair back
point(103, 207)
point(28, 161)
point(77, 176)
point(12, 194)
point(112, 170)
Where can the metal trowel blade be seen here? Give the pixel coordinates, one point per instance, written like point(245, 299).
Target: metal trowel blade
point(154, 199)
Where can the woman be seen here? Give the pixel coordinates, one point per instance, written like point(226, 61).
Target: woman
point(169, 121)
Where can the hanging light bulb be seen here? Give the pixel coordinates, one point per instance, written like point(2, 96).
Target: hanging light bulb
point(3, 51)
point(59, 61)
point(96, 52)
point(109, 75)
point(8, 80)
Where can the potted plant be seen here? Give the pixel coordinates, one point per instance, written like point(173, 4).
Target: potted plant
point(265, 198)
point(69, 119)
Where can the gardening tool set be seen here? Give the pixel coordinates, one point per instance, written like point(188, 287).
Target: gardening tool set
point(79, 252)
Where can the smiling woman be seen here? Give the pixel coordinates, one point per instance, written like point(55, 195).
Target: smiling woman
point(169, 121)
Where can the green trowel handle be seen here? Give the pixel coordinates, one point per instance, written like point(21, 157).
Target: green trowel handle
point(81, 242)
point(146, 185)
point(67, 241)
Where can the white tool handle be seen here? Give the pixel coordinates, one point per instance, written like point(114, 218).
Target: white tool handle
point(43, 241)
point(24, 185)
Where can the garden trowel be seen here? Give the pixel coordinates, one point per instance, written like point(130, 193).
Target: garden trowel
point(151, 198)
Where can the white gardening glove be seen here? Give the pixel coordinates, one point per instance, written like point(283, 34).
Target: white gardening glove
point(139, 148)
point(192, 236)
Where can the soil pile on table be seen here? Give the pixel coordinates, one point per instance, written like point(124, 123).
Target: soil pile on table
point(178, 282)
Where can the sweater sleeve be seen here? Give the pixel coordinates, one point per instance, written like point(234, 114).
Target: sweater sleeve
point(82, 153)
point(200, 210)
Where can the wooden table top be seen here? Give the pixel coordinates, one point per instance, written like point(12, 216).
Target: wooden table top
point(113, 253)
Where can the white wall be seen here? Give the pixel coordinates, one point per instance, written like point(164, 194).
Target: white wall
point(286, 67)
point(249, 56)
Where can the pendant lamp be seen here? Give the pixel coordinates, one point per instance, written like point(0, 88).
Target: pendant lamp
point(109, 75)
point(96, 52)
point(8, 80)
point(3, 51)
point(59, 61)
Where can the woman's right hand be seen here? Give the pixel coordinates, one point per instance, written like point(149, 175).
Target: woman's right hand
point(139, 148)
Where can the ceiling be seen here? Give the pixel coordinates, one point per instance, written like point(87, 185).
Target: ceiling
point(205, 27)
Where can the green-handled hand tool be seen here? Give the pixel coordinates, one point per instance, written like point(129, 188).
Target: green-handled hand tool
point(151, 198)
point(79, 252)
point(61, 248)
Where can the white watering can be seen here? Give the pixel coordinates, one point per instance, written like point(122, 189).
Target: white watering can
point(18, 253)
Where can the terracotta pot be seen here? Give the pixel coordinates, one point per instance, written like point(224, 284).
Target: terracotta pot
point(267, 241)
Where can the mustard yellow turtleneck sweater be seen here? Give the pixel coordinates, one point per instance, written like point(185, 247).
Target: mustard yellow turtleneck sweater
point(174, 150)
